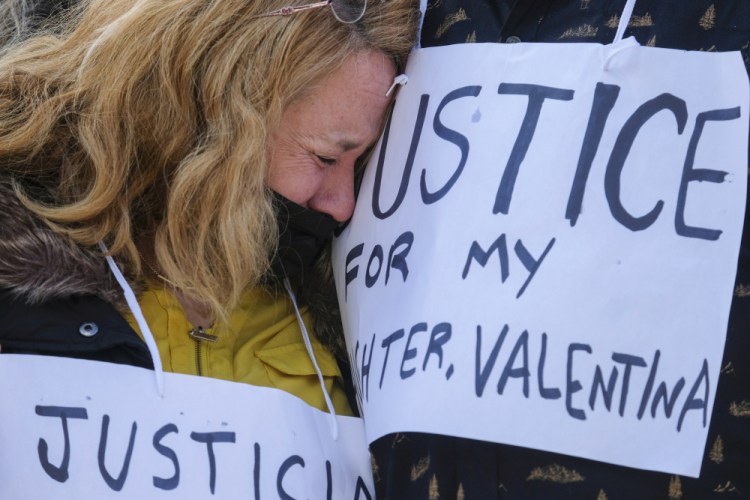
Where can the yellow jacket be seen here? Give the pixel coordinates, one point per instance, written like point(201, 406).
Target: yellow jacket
point(261, 344)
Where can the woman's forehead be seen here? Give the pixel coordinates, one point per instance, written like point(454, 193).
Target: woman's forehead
point(348, 105)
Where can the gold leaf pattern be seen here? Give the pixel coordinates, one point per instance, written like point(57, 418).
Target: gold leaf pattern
point(742, 290)
point(420, 468)
point(727, 369)
point(397, 439)
point(460, 492)
point(716, 455)
point(675, 488)
point(556, 474)
point(472, 37)
point(727, 487)
point(643, 21)
point(651, 42)
point(602, 495)
point(437, 4)
point(450, 20)
point(708, 19)
point(585, 30)
point(433, 493)
point(741, 409)
point(375, 468)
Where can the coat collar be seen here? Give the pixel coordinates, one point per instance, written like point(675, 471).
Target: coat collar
point(37, 264)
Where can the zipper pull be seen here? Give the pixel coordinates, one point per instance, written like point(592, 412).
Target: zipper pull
point(200, 333)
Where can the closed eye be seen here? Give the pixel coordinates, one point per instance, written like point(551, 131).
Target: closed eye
point(326, 160)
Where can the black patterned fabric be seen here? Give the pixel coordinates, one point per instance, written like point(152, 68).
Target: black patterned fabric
point(422, 466)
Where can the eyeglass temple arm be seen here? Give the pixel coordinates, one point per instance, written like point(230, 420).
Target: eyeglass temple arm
point(289, 9)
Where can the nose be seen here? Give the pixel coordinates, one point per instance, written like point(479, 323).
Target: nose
point(335, 195)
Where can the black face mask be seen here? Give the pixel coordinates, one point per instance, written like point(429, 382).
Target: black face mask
point(302, 235)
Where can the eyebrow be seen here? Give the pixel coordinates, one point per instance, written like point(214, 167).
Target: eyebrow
point(347, 145)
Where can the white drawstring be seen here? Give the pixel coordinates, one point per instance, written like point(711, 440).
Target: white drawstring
point(308, 345)
point(135, 308)
point(401, 79)
point(618, 45)
point(627, 13)
point(423, 10)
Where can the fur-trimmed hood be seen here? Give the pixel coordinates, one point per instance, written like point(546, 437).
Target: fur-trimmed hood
point(37, 264)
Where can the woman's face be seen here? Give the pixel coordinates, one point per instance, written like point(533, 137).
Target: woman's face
point(320, 137)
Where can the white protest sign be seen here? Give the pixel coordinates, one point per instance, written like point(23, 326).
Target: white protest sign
point(543, 249)
point(82, 429)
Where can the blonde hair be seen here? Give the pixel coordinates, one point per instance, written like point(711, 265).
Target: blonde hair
point(150, 118)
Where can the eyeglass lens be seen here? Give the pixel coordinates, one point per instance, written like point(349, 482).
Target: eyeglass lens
point(348, 11)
